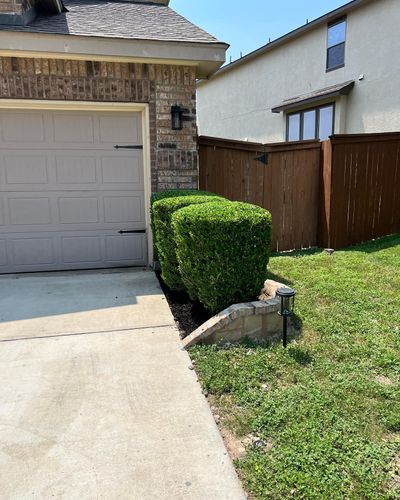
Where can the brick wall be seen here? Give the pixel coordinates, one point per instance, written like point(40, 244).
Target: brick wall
point(10, 7)
point(15, 6)
point(174, 161)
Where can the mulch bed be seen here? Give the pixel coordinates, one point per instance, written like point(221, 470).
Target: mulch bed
point(188, 315)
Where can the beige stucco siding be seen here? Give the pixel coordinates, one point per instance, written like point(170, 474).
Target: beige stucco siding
point(237, 104)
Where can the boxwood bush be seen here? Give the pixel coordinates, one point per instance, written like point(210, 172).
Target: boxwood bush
point(163, 210)
point(223, 251)
point(170, 193)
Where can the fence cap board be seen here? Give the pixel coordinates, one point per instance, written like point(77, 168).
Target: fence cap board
point(229, 144)
point(373, 137)
point(257, 146)
point(292, 146)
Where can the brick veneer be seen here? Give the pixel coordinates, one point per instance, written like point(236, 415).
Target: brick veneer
point(16, 6)
point(174, 160)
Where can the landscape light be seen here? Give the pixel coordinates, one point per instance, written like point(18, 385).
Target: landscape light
point(287, 296)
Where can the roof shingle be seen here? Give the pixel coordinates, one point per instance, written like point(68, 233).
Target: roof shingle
point(333, 90)
point(118, 19)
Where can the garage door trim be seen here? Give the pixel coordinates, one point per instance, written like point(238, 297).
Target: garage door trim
point(117, 107)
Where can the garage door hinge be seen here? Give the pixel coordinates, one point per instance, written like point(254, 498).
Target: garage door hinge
point(133, 231)
point(128, 147)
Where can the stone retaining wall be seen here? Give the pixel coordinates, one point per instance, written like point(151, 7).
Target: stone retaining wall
point(259, 321)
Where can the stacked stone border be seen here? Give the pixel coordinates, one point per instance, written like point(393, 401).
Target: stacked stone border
point(258, 321)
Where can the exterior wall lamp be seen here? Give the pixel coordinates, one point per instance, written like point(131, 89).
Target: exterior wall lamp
point(177, 117)
point(287, 296)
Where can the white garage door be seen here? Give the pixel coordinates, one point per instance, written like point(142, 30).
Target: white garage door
point(66, 192)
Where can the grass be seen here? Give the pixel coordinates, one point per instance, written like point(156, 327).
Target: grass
point(326, 410)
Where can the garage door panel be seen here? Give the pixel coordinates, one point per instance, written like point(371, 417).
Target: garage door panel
point(68, 127)
point(128, 132)
point(32, 251)
point(3, 252)
point(24, 169)
point(123, 248)
point(66, 192)
point(123, 209)
point(29, 211)
point(75, 169)
point(127, 169)
point(2, 217)
point(74, 210)
point(22, 127)
point(81, 249)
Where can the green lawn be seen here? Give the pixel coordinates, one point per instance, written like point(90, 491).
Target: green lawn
point(327, 409)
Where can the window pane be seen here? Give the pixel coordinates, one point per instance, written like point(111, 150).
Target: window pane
point(294, 127)
point(336, 56)
point(325, 123)
point(309, 125)
point(337, 34)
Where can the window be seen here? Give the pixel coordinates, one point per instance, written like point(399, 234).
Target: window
point(309, 121)
point(316, 123)
point(325, 123)
point(294, 127)
point(336, 45)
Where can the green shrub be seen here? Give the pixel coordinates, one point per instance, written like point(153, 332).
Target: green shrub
point(170, 193)
point(165, 243)
point(223, 251)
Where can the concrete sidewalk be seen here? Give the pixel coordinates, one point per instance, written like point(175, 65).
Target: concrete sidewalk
point(96, 398)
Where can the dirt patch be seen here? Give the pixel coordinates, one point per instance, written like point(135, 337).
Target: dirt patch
point(381, 379)
point(394, 476)
point(236, 448)
point(188, 315)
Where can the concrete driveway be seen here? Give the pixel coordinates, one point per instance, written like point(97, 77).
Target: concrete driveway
point(96, 397)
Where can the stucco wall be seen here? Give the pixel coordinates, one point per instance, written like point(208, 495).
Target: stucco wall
point(174, 162)
point(237, 104)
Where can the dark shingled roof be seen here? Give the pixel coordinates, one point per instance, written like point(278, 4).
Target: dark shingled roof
point(317, 95)
point(118, 19)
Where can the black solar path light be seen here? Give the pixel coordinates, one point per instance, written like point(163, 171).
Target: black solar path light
point(287, 296)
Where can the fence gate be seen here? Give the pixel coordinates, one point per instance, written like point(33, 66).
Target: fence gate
point(284, 179)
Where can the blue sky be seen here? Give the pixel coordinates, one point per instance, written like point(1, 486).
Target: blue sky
point(247, 24)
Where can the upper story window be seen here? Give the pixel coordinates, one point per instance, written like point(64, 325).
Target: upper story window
point(313, 123)
point(336, 44)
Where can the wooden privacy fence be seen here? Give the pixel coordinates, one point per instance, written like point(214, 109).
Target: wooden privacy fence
point(332, 194)
point(360, 196)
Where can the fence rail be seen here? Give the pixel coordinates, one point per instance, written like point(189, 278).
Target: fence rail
point(332, 194)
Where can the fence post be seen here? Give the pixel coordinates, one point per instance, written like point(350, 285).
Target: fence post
point(325, 198)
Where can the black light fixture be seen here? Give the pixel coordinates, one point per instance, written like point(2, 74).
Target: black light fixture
point(287, 296)
point(177, 117)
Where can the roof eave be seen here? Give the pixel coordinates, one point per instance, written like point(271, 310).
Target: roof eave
point(314, 99)
point(206, 56)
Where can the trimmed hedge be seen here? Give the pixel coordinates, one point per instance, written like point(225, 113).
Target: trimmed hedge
point(163, 210)
point(223, 251)
point(170, 193)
